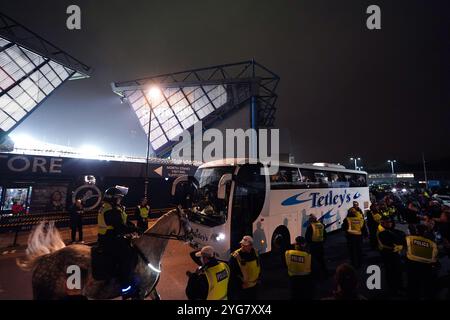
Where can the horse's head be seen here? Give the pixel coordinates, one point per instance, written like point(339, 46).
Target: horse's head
point(185, 229)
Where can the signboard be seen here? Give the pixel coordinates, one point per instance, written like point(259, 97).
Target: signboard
point(434, 184)
point(176, 171)
point(49, 197)
point(12, 165)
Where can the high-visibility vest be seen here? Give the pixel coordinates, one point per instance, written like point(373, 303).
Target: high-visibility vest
point(381, 246)
point(101, 223)
point(376, 216)
point(250, 270)
point(218, 277)
point(143, 211)
point(392, 210)
point(421, 249)
point(298, 262)
point(317, 232)
point(355, 225)
point(358, 214)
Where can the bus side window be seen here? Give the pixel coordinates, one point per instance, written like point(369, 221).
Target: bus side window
point(285, 178)
point(308, 178)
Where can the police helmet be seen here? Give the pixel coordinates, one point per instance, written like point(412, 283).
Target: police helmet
point(113, 193)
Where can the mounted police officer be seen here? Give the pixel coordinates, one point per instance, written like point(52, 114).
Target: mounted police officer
point(210, 280)
point(298, 262)
point(315, 237)
point(113, 227)
point(421, 257)
point(142, 212)
point(245, 270)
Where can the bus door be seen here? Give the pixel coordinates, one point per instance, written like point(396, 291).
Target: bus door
point(248, 201)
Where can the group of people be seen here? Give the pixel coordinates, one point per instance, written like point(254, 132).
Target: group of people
point(218, 280)
point(240, 277)
point(414, 252)
point(76, 213)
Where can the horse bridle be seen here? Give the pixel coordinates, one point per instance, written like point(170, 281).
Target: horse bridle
point(162, 236)
point(171, 236)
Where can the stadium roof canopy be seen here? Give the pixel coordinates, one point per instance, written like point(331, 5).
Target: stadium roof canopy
point(205, 94)
point(31, 68)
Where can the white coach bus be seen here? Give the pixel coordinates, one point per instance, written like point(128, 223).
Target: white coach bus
point(230, 198)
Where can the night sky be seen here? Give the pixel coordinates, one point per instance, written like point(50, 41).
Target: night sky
point(344, 90)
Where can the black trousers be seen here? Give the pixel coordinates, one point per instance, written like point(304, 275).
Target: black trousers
point(393, 270)
point(121, 252)
point(77, 226)
point(373, 226)
point(318, 255)
point(354, 244)
point(301, 287)
point(421, 280)
point(142, 225)
point(249, 293)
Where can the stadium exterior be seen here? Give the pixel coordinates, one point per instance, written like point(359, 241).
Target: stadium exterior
point(237, 95)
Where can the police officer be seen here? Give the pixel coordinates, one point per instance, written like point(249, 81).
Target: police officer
point(391, 243)
point(421, 255)
point(141, 214)
point(315, 236)
point(113, 226)
point(373, 220)
point(245, 270)
point(210, 281)
point(76, 213)
point(355, 229)
point(298, 262)
point(356, 210)
point(391, 209)
point(384, 209)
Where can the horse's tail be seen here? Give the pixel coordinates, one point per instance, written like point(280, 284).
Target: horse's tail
point(43, 240)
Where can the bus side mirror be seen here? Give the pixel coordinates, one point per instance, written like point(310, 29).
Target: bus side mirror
point(221, 190)
point(176, 182)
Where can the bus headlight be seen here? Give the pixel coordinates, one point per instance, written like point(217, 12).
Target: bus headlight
point(394, 190)
point(220, 237)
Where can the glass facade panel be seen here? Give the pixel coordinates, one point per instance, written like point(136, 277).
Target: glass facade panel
point(175, 109)
point(21, 85)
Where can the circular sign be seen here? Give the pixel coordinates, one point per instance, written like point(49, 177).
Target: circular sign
point(90, 195)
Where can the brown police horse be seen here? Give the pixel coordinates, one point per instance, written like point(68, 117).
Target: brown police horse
point(49, 258)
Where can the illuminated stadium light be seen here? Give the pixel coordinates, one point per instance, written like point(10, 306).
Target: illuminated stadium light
point(31, 68)
point(154, 92)
point(24, 141)
point(173, 103)
point(89, 151)
point(175, 109)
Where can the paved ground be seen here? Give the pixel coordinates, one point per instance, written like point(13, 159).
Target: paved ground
point(16, 284)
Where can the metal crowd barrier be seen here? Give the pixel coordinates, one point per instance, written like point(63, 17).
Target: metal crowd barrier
point(25, 222)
